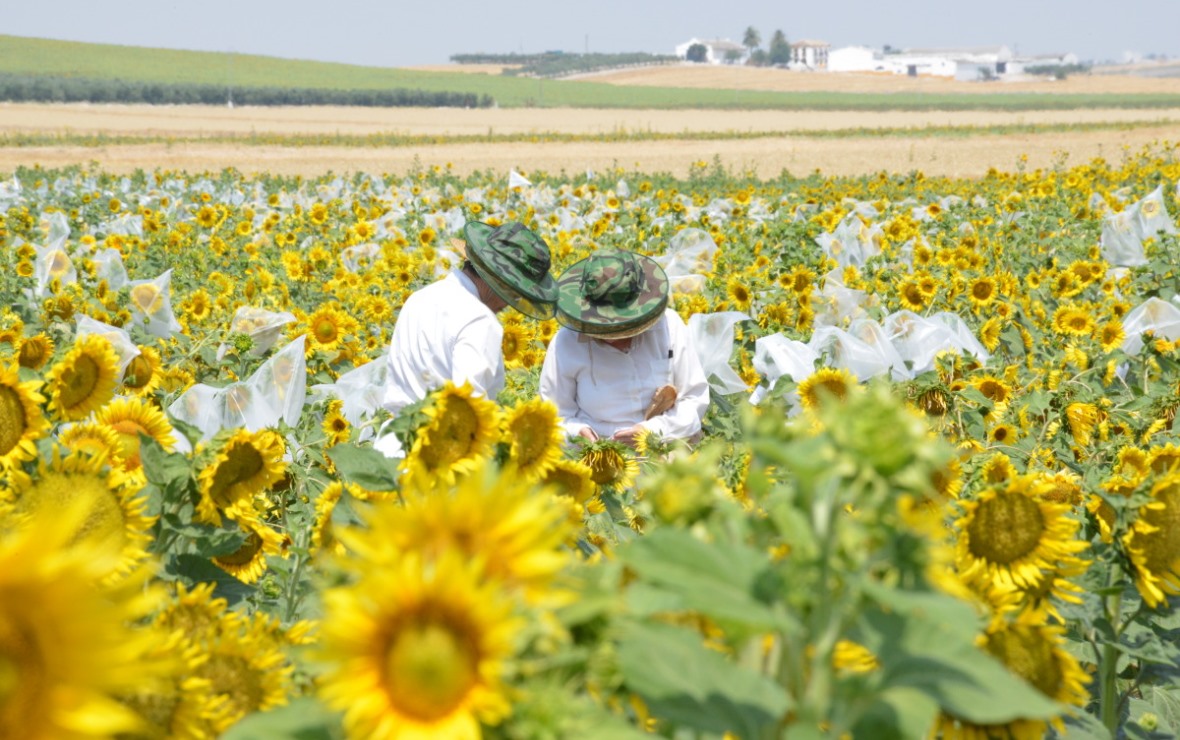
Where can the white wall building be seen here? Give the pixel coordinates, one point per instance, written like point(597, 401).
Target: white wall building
point(717, 51)
point(810, 54)
point(855, 59)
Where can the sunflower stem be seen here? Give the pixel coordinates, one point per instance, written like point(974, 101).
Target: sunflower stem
point(1109, 698)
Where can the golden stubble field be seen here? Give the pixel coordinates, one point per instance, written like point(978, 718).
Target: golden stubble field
point(966, 155)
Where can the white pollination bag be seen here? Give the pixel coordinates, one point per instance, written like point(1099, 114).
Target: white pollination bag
point(151, 305)
point(712, 338)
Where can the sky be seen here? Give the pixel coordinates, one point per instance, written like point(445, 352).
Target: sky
point(397, 33)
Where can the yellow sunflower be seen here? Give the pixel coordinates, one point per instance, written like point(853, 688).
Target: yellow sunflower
point(611, 464)
point(825, 383)
point(534, 438)
point(416, 650)
point(1111, 336)
point(739, 292)
point(514, 344)
point(65, 642)
point(981, 291)
point(328, 327)
point(246, 671)
point(1082, 419)
point(115, 512)
point(142, 376)
point(335, 427)
point(244, 465)
point(1153, 542)
point(1073, 321)
point(1010, 534)
point(129, 418)
point(35, 351)
point(515, 530)
point(323, 536)
point(1036, 654)
point(82, 381)
point(461, 429)
point(911, 296)
point(22, 422)
point(92, 439)
point(248, 562)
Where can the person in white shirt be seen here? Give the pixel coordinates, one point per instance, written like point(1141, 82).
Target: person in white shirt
point(449, 331)
point(623, 363)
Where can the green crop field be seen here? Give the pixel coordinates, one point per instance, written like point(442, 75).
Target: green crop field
point(49, 58)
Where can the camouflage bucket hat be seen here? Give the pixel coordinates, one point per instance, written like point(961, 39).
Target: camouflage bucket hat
point(612, 295)
point(515, 263)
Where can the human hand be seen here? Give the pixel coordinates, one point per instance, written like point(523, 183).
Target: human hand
point(588, 433)
point(628, 436)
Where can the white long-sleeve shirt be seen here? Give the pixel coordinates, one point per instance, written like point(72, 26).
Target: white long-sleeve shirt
point(595, 385)
point(444, 332)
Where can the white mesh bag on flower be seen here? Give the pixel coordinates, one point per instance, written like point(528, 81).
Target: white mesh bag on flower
point(281, 382)
point(263, 327)
point(360, 257)
point(120, 340)
point(361, 389)
point(1155, 315)
point(1121, 245)
point(688, 258)
point(963, 334)
point(837, 304)
point(127, 224)
point(151, 305)
point(201, 406)
point(918, 340)
point(864, 350)
point(1151, 215)
point(52, 263)
point(108, 266)
point(852, 243)
point(776, 356)
point(57, 229)
point(712, 338)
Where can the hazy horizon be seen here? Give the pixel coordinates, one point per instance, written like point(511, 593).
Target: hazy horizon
point(399, 34)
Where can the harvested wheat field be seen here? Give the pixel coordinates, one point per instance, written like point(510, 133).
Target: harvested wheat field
point(199, 121)
point(953, 157)
point(780, 80)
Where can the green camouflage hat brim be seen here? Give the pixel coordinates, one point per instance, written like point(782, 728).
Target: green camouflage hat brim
point(514, 262)
point(595, 297)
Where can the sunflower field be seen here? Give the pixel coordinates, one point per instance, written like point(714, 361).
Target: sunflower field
point(938, 494)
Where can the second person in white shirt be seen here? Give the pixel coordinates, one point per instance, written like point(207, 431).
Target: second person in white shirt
point(623, 363)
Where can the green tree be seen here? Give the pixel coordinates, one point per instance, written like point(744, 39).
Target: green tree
point(780, 50)
point(697, 53)
point(758, 58)
point(751, 39)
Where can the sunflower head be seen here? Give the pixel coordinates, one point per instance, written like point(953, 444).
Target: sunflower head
point(611, 464)
point(82, 381)
point(22, 422)
point(243, 464)
point(460, 430)
point(534, 438)
point(824, 385)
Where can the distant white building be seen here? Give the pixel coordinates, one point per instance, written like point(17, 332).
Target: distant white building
point(717, 51)
point(810, 54)
point(962, 63)
point(855, 59)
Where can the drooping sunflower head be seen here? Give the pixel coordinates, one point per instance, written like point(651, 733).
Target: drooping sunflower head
point(82, 381)
point(572, 479)
point(611, 464)
point(94, 440)
point(534, 438)
point(35, 351)
point(243, 465)
point(129, 418)
point(417, 650)
point(1153, 542)
point(22, 422)
point(826, 384)
point(248, 562)
point(1010, 533)
point(142, 376)
point(461, 429)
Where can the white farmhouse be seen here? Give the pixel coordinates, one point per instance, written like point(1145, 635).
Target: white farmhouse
point(717, 51)
point(810, 54)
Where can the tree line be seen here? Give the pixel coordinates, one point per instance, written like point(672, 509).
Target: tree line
point(49, 89)
point(777, 53)
point(557, 63)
